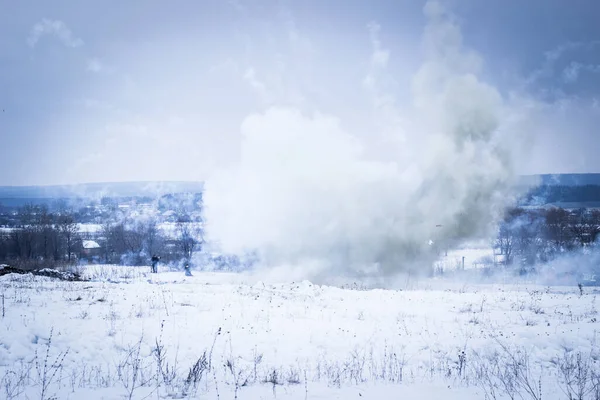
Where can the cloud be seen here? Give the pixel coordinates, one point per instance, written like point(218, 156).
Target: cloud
point(96, 105)
point(279, 67)
point(237, 5)
point(122, 144)
point(572, 71)
point(95, 65)
point(56, 28)
point(229, 65)
point(380, 56)
point(551, 58)
point(298, 42)
point(117, 137)
point(120, 130)
point(562, 129)
point(558, 51)
point(258, 86)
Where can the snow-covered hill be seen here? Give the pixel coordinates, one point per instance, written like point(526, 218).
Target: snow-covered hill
point(97, 190)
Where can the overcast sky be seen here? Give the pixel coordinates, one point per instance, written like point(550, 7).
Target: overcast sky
point(99, 91)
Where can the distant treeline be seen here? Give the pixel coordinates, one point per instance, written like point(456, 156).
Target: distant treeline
point(41, 236)
point(34, 235)
point(563, 194)
point(171, 226)
point(182, 206)
point(534, 236)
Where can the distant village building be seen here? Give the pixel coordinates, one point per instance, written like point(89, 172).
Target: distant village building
point(91, 248)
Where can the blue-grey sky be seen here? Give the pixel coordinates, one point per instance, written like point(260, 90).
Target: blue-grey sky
point(96, 91)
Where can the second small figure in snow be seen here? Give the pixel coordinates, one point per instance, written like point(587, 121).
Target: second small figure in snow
point(155, 260)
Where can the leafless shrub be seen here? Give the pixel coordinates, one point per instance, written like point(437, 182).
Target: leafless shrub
point(595, 384)
point(293, 376)
point(112, 317)
point(483, 300)
point(13, 383)
point(239, 375)
point(576, 375)
point(256, 360)
point(305, 386)
point(355, 366)
point(46, 369)
point(273, 377)
point(132, 371)
point(507, 372)
point(194, 376)
point(165, 373)
point(536, 308)
point(355, 286)
point(466, 308)
point(461, 362)
point(212, 348)
point(393, 366)
point(485, 374)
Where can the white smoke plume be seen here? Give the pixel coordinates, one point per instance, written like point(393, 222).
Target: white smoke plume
point(309, 199)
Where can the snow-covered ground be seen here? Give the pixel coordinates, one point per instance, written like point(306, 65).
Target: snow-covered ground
point(474, 254)
point(130, 334)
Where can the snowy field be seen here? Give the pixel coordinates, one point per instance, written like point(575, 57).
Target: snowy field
point(129, 334)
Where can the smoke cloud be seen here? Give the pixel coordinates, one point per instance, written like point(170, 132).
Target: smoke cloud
point(313, 202)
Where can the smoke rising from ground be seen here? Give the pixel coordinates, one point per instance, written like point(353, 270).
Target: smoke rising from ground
point(310, 197)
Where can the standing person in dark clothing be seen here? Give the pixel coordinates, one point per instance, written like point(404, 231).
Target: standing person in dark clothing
point(187, 270)
point(155, 260)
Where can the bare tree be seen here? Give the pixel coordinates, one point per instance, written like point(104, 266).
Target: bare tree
point(45, 223)
point(190, 238)
point(153, 240)
point(17, 240)
point(69, 232)
point(558, 228)
point(105, 232)
point(505, 242)
point(114, 240)
point(28, 231)
point(585, 226)
point(133, 237)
